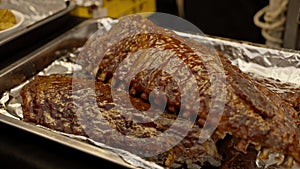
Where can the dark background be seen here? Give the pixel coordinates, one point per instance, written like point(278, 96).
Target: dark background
point(224, 18)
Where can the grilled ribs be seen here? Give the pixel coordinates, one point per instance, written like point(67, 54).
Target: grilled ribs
point(51, 101)
point(252, 113)
point(287, 91)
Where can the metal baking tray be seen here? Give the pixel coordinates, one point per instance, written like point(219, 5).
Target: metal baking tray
point(70, 5)
point(30, 65)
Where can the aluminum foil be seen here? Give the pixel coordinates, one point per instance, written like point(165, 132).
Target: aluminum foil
point(10, 105)
point(34, 10)
point(255, 60)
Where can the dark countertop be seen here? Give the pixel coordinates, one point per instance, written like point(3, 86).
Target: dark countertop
point(20, 149)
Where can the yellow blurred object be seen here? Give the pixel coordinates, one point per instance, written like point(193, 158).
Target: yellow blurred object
point(7, 19)
point(119, 8)
point(83, 11)
point(115, 8)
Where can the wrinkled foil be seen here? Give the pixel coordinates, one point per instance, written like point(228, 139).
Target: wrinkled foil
point(259, 61)
point(34, 10)
point(10, 105)
point(256, 60)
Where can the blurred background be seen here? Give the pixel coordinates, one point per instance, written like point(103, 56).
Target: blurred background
point(271, 22)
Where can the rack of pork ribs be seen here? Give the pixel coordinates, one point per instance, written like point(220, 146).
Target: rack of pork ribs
point(254, 119)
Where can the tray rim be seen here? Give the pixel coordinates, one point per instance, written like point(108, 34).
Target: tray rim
point(6, 71)
point(71, 4)
point(64, 140)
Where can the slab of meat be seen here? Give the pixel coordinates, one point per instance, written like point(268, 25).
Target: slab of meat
point(252, 113)
point(51, 101)
point(286, 91)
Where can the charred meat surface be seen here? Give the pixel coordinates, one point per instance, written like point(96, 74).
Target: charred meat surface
point(44, 104)
point(252, 113)
point(287, 91)
point(233, 159)
point(52, 101)
point(144, 58)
